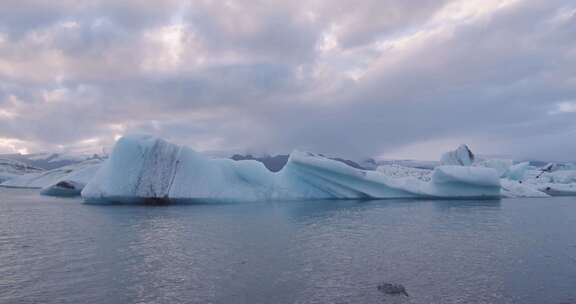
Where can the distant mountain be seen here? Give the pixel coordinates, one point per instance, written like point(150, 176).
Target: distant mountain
point(273, 163)
point(49, 161)
point(277, 162)
point(10, 168)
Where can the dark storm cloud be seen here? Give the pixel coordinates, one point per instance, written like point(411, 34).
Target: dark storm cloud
point(355, 80)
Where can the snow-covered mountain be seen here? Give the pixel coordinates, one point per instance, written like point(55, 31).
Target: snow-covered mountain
point(49, 161)
point(277, 162)
point(77, 174)
point(10, 168)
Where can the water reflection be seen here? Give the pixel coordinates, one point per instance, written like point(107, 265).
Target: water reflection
point(467, 205)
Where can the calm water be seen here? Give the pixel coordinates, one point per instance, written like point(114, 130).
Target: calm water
point(511, 251)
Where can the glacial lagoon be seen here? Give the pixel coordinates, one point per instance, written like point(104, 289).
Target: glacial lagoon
point(60, 250)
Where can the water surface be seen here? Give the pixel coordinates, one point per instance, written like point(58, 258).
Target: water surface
point(55, 250)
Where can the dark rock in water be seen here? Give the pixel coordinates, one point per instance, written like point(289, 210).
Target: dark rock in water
point(393, 289)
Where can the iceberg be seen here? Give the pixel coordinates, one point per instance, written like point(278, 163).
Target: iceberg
point(559, 189)
point(502, 166)
point(462, 156)
point(72, 183)
point(553, 183)
point(63, 188)
point(485, 177)
point(516, 180)
point(513, 189)
point(143, 168)
point(518, 171)
point(562, 176)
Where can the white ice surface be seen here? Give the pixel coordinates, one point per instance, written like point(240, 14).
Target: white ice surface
point(502, 166)
point(559, 189)
point(518, 171)
point(513, 188)
point(400, 171)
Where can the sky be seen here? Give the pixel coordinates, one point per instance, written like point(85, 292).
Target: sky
point(371, 78)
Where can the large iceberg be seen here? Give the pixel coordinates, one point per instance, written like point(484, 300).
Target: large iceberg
point(147, 169)
point(463, 156)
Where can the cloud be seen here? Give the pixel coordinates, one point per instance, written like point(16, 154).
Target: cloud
point(564, 107)
point(369, 79)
